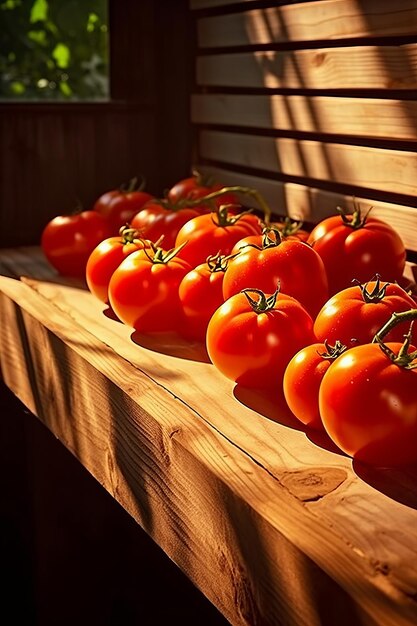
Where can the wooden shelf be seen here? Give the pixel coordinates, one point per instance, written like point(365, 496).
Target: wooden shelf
point(271, 523)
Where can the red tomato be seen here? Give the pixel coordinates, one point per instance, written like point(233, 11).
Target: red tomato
point(200, 293)
point(119, 206)
point(198, 186)
point(252, 339)
point(368, 405)
point(302, 380)
point(159, 218)
point(143, 290)
point(68, 240)
point(356, 247)
point(293, 264)
point(355, 314)
point(214, 233)
point(107, 256)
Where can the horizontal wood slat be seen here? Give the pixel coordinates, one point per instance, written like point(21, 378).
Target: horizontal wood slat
point(311, 204)
point(358, 67)
point(384, 170)
point(312, 21)
point(361, 117)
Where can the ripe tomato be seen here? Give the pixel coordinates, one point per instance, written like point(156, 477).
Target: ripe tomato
point(119, 206)
point(368, 405)
point(214, 233)
point(161, 218)
point(357, 247)
point(251, 338)
point(198, 186)
point(302, 380)
point(107, 256)
point(200, 293)
point(355, 314)
point(68, 240)
point(294, 264)
point(143, 290)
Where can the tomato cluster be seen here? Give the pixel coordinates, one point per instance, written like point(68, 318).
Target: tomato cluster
point(318, 317)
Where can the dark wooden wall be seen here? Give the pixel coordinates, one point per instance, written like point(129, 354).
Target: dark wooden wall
point(52, 155)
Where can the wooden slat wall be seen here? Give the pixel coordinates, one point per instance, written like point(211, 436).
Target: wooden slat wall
point(315, 102)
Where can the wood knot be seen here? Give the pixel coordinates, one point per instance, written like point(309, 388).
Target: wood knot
point(313, 484)
point(319, 58)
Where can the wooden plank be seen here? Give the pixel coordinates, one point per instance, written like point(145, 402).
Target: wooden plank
point(262, 520)
point(312, 21)
point(357, 67)
point(311, 204)
point(383, 170)
point(359, 117)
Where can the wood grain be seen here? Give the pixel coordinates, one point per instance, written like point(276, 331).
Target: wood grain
point(356, 67)
point(383, 170)
point(265, 520)
point(312, 204)
point(333, 19)
point(358, 117)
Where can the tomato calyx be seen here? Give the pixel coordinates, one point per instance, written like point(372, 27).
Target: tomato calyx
point(290, 226)
point(163, 256)
point(218, 262)
point(134, 184)
point(222, 217)
point(129, 234)
point(377, 294)
point(332, 352)
point(354, 220)
point(263, 303)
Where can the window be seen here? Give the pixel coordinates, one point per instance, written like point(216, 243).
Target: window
point(54, 50)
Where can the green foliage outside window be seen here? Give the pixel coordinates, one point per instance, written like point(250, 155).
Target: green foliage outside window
point(53, 49)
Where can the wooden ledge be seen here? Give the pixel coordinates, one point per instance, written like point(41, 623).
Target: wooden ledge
point(271, 523)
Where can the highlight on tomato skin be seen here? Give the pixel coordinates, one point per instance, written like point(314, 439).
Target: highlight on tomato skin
point(68, 240)
point(107, 256)
point(368, 405)
point(302, 379)
point(143, 290)
point(118, 206)
point(357, 246)
point(354, 315)
point(200, 294)
point(251, 343)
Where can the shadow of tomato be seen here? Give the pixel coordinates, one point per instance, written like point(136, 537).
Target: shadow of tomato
point(171, 344)
point(268, 402)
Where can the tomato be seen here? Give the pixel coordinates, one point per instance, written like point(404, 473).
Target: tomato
point(302, 380)
point(68, 240)
point(200, 293)
point(368, 404)
point(119, 206)
point(107, 256)
point(143, 290)
point(198, 186)
point(159, 218)
point(357, 247)
point(251, 337)
point(294, 264)
point(355, 314)
point(214, 233)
